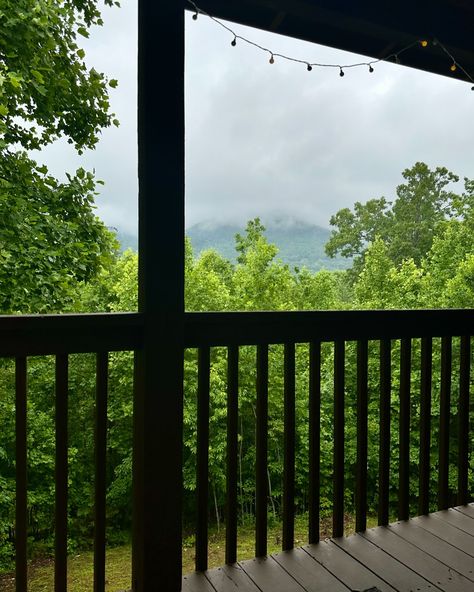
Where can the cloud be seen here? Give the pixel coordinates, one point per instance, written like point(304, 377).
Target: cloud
point(276, 140)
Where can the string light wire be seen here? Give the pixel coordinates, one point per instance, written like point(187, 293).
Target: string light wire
point(395, 56)
point(455, 63)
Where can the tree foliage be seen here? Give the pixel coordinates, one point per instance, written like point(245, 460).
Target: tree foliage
point(50, 237)
point(46, 89)
point(407, 225)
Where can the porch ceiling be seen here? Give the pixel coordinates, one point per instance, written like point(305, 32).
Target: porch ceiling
point(368, 27)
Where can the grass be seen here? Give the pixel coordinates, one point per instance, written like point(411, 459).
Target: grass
point(118, 562)
point(80, 570)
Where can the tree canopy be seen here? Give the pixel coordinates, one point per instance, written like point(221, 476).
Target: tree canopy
point(46, 89)
point(408, 224)
point(50, 237)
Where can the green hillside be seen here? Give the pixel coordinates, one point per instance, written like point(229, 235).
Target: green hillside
point(299, 244)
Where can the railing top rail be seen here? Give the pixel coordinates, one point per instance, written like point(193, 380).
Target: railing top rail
point(69, 333)
point(253, 328)
point(80, 333)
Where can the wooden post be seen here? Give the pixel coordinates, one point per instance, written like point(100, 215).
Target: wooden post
point(157, 472)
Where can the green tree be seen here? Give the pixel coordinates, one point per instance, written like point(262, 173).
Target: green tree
point(407, 225)
point(46, 89)
point(260, 281)
point(254, 232)
point(50, 237)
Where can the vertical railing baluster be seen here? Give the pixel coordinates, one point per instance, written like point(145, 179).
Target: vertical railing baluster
point(404, 431)
point(338, 453)
point(289, 448)
point(463, 420)
point(444, 421)
point(202, 464)
point(314, 440)
point(232, 453)
point(61, 473)
point(425, 425)
point(100, 451)
point(362, 413)
point(384, 434)
point(21, 509)
point(261, 482)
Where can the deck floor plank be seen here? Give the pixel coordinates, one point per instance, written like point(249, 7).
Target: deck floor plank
point(452, 535)
point(269, 576)
point(468, 510)
point(430, 553)
point(345, 568)
point(308, 572)
point(437, 548)
point(196, 582)
point(231, 578)
point(437, 573)
point(378, 561)
point(457, 519)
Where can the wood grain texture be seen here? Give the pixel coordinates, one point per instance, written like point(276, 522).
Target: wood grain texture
point(424, 554)
point(437, 573)
point(345, 568)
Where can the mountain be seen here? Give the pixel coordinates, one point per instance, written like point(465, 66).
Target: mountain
point(299, 243)
point(127, 241)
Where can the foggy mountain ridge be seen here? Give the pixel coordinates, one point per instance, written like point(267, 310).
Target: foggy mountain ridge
point(300, 244)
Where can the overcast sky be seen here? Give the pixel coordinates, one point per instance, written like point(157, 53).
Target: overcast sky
point(275, 140)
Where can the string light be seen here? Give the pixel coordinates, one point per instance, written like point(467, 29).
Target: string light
point(454, 62)
point(395, 56)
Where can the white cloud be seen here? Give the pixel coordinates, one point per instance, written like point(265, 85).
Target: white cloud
point(275, 139)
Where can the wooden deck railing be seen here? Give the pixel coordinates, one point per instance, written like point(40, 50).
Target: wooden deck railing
point(395, 331)
point(61, 335)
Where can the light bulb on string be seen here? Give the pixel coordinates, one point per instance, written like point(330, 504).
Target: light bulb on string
point(423, 42)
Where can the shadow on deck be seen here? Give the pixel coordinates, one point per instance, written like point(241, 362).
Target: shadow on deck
point(427, 553)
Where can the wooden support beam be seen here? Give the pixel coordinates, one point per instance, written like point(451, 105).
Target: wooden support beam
point(159, 363)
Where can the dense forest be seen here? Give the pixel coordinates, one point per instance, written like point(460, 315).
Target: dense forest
point(416, 251)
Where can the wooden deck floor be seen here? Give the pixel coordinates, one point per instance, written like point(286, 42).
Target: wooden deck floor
point(427, 553)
